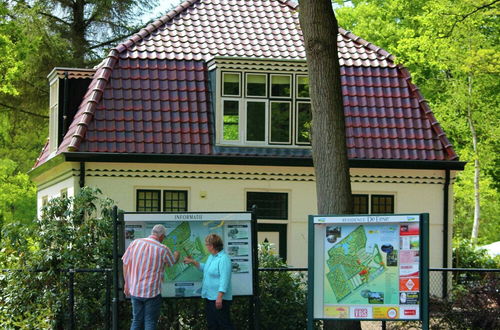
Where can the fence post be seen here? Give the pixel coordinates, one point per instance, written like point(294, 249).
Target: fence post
point(108, 299)
point(71, 299)
point(255, 305)
point(115, 267)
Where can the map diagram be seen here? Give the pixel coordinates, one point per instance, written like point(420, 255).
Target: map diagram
point(352, 264)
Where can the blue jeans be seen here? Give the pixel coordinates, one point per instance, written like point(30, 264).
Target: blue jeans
point(145, 312)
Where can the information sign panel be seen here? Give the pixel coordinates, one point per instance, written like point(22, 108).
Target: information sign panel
point(186, 233)
point(367, 267)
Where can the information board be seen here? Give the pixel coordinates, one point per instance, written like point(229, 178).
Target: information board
point(367, 267)
point(186, 233)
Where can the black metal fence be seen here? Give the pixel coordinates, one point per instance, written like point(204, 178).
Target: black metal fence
point(73, 275)
point(460, 298)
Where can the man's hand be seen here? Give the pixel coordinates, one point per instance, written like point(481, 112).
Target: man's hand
point(126, 290)
point(176, 256)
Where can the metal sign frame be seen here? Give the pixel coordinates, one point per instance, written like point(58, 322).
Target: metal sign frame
point(353, 219)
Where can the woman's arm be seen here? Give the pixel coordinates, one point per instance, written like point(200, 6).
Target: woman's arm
point(190, 261)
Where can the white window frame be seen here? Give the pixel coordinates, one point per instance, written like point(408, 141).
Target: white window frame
point(241, 120)
point(266, 121)
point(267, 85)
point(296, 128)
point(297, 97)
point(271, 96)
point(222, 84)
point(290, 122)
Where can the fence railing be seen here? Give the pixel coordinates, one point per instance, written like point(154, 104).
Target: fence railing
point(71, 290)
point(448, 288)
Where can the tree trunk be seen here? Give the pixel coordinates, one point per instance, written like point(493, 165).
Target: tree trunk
point(333, 186)
point(477, 167)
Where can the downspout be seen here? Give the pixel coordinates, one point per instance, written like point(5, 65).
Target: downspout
point(65, 105)
point(446, 194)
point(82, 175)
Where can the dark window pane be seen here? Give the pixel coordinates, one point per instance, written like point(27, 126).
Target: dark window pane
point(231, 84)
point(175, 201)
point(382, 204)
point(304, 119)
point(302, 86)
point(269, 205)
point(148, 200)
point(280, 122)
point(256, 85)
point(231, 128)
point(360, 204)
point(280, 86)
point(256, 121)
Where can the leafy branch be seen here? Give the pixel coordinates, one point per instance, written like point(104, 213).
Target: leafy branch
point(11, 108)
point(463, 17)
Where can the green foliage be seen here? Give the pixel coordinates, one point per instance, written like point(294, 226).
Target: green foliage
point(451, 48)
point(74, 232)
point(467, 255)
point(18, 195)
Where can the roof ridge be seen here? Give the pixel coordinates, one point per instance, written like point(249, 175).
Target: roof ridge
point(105, 69)
point(436, 127)
point(154, 25)
point(101, 77)
point(367, 44)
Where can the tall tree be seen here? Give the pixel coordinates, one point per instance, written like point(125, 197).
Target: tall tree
point(333, 186)
point(38, 35)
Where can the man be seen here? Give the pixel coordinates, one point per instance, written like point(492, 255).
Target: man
point(144, 264)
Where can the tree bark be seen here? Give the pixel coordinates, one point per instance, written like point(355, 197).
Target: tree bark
point(333, 186)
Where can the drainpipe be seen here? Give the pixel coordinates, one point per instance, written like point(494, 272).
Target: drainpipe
point(82, 174)
point(446, 194)
point(65, 105)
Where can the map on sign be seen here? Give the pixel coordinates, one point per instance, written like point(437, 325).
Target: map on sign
point(188, 238)
point(359, 261)
point(186, 234)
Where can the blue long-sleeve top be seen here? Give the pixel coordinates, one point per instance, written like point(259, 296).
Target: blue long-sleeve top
point(216, 276)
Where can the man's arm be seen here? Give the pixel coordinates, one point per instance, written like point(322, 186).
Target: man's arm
point(126, 289)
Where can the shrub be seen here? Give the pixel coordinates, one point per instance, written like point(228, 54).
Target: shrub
point(72, 232)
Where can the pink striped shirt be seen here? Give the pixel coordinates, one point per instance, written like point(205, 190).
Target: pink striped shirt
point(144, 263)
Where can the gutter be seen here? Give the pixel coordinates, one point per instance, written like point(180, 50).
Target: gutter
point(446, 194)
point(262, 160)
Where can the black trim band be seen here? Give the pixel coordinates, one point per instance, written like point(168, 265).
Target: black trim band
point(251, 160)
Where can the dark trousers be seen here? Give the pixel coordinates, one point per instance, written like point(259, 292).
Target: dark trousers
point(218, 319)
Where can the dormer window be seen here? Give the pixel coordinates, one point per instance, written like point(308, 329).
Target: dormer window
point(256, 108)
point(67, 88)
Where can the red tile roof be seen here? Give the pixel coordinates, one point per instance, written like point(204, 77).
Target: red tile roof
point(151, 94)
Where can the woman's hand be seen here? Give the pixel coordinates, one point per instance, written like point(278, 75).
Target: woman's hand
point(188, 260)
point(218, 303)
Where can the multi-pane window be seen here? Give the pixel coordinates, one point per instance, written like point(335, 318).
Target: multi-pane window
point(360, 204)
point(265, 109)
point(174, 201)
point(372, 204)
point(270, 205)
point(150, 200)
point(382, 203)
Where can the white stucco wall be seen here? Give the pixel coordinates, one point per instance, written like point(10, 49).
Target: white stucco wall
point(224, 188)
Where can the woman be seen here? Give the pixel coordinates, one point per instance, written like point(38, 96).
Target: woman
point(216, 285)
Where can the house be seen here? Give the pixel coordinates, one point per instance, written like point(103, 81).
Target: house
point(207, 109)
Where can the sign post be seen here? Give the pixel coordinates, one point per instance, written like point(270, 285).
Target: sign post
point(368, 267)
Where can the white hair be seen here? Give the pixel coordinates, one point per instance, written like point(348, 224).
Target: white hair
point(158, 230)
